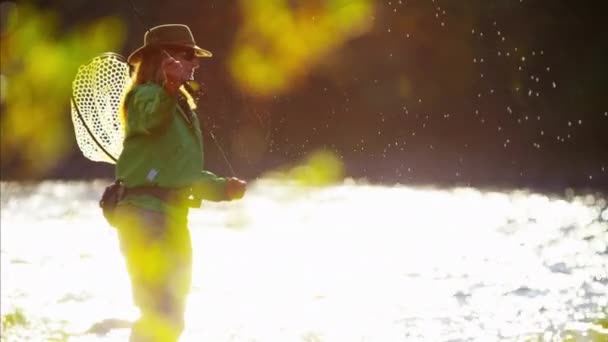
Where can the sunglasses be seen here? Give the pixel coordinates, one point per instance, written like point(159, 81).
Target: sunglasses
point(187, 55)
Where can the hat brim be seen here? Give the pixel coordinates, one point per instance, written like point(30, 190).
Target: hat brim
point(198, 51)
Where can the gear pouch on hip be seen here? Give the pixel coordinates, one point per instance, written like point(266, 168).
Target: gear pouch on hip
point(109, 200)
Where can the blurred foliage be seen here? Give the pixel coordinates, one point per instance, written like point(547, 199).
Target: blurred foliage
point(279, 42)
point(595, 331)
point(320, 168)
point(13, 319)
point(38, 63)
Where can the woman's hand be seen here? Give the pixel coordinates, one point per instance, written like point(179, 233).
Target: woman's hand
point(175, 74)
point(235, 188)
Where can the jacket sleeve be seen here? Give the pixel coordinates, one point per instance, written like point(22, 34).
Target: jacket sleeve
point(149, 108)
point(210, 187)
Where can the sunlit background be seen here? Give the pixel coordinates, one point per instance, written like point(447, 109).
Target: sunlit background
point(349, 262)
point(420, 170)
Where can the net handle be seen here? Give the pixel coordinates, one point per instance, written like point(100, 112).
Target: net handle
point(118, 56)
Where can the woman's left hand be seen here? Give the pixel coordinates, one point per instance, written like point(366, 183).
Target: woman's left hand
point(175, 74)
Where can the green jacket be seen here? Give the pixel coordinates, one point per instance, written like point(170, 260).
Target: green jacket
point(163, 146)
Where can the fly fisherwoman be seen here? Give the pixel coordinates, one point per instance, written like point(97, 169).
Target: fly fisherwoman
point(161, 175)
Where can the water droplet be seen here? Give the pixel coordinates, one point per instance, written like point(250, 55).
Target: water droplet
point(554, 85)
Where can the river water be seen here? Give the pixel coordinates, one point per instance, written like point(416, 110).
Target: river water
point(350, 262)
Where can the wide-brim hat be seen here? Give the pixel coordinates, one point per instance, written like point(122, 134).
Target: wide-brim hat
point(169, 35)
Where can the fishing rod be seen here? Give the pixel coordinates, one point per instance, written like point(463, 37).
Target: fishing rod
point(189, 85)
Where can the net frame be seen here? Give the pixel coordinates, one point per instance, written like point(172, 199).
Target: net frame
point(97, 92)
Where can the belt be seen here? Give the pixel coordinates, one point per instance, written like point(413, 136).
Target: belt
point(164, 194)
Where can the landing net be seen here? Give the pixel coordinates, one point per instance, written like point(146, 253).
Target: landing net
point(97, 90)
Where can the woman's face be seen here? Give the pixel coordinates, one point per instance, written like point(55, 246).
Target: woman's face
point(188, 60)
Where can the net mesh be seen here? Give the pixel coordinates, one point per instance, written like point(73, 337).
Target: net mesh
point(97, 90)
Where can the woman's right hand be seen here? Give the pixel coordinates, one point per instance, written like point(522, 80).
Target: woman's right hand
point(235, 188)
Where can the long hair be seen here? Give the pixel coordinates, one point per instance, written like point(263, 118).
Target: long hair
point(148, 70)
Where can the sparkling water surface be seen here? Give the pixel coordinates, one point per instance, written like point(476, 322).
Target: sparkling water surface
point(349, 262)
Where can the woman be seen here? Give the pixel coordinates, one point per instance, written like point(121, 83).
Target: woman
point(161, 172)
